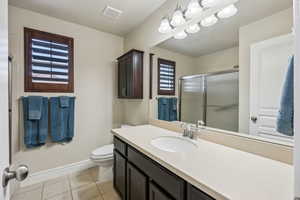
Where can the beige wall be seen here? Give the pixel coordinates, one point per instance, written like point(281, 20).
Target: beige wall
point(218, 61)
point(95, 89)
point(275, 25)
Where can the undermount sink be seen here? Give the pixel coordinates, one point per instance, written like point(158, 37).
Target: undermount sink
point(174, 144)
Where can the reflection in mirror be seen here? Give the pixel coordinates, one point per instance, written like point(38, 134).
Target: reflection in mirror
point(232, 75)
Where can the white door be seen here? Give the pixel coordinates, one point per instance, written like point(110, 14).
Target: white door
point(269, 62)
point(4, 140)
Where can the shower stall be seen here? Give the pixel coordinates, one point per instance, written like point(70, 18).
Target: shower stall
point(212, 98)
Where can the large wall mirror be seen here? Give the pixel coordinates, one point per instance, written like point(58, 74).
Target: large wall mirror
point(232, 75)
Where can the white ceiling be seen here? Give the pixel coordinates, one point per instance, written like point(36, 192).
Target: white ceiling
point(89, 12)
point(224, 34)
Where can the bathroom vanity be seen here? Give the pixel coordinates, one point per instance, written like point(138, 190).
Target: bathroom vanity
point(143, 171)
point(137, 177)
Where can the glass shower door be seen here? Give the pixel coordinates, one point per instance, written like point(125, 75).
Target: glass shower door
point(222, 101)
point(192, 99)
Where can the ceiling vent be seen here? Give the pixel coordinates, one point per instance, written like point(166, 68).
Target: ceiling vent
point(111, 12)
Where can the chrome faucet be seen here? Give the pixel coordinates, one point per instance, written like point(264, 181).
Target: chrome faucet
point(189, 130)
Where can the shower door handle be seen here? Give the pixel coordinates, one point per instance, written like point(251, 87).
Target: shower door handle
point(254, 119)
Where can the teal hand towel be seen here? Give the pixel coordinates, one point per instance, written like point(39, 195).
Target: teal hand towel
point(62, 119)
point(285, 119)
point(35, 107)
point(35, 131)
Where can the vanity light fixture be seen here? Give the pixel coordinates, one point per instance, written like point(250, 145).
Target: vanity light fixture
point(181, 35)
point(227, 12)
point(165, 26)
point(193, 28)
point(193, 9)
point(178, 18)
point(210, 3)
point(209, 21)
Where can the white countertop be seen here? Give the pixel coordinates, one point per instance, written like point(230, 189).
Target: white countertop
point(222, 172)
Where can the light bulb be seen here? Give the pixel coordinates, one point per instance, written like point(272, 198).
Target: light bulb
point(209, 21)
point(177, 19)
point(228, 11)
point(181, 35)
point(193, 9)
point(193, 28)
point(210, 3)
point(165, 26)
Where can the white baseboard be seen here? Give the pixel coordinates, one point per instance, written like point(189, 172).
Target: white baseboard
point(57, 172)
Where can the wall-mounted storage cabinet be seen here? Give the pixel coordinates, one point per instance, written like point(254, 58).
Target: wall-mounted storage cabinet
point(130, 75)
point(145, 179)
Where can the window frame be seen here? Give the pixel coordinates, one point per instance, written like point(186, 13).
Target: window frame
point(167, 62)
point(30, 86)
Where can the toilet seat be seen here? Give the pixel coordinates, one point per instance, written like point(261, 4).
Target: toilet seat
point(103, 153)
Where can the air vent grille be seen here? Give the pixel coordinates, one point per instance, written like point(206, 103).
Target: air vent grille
point(112, 13)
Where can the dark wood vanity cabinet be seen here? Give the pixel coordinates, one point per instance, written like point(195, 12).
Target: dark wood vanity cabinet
point(137, 177)
point(130, 75)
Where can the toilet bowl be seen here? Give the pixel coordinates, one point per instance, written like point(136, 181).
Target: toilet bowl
point(103, 158)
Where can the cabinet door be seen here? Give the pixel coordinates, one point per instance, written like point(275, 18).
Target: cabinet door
point(196, 194)
point(120, 174)
point(122, 65)
point(136, 184)
point(156, 194)
point(129, 77)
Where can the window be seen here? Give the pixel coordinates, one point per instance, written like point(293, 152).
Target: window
point(166, 77)
point(48, 62)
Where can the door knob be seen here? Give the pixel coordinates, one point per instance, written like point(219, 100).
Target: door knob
point(20, 174)
point(254, 119)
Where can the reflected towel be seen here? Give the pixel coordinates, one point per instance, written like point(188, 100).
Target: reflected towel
point(285, 119)
point(35, 107)
point(62, 119)
point(163, 109)
point(35, 131)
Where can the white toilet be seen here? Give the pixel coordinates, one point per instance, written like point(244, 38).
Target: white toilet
point(103, 157)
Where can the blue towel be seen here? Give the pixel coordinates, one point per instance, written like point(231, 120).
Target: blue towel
point(64, 101)
point(285, 119)
point(35, 107)
point(163, 109)
point(62, 119)
point(35, 131)
point(173, 109)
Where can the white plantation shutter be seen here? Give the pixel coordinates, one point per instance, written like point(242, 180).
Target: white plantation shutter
point(49, 62)
point(166, 77)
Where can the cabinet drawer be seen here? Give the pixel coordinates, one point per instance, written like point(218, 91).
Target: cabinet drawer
point(196, 194)
point(161, 176)
point(120, 146)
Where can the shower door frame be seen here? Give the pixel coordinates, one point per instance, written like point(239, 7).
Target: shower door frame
point(204, 76)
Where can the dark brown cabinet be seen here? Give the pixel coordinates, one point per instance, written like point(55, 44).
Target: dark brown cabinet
point(136, 184)
point(137, 177)
point(130, 75)
point(120, 174)
point(157, 194)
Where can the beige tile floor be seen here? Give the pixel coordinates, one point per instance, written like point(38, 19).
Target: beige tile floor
point(77, 186)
